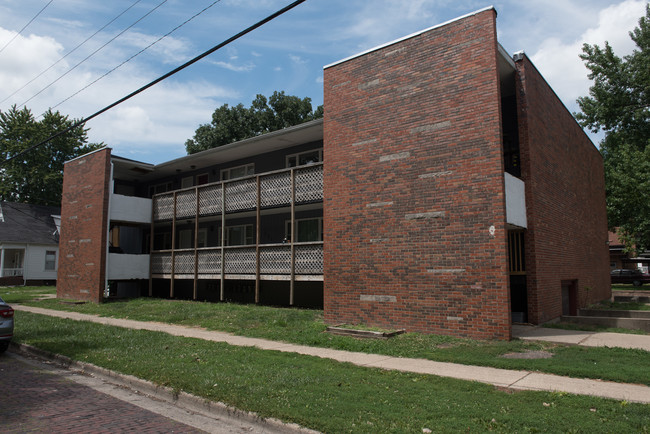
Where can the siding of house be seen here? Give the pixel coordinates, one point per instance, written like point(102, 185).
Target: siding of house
point(566, 238)
point(414, 205)
point(35, 262)
point(84, 220)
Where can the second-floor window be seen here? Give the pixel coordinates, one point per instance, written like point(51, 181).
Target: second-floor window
point(238, 172)
point(307, 157)
point(160, 188)
point(239, 235)
point(306, 230)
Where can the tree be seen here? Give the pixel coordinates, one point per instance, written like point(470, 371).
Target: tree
point(37, 176)
point(230, 124)
point(619, 104)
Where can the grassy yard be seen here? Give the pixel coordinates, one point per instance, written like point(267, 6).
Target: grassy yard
point(306, 327)
point(317, 393)
point(630, 287)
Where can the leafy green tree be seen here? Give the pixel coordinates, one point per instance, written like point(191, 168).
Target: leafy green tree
point(37, 176)
point(230, 124)
point(619, 104)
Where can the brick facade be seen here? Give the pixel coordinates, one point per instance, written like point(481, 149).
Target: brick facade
point(414, 202)
point(84, 219)
point(417, 137)
point(566, 240)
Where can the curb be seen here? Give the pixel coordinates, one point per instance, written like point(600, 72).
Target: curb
point(182, 400)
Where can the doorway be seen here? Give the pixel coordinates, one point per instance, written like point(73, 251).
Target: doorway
point(569, 297)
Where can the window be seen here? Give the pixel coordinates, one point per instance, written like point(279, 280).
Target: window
point(160, 188)
point(188, 181)
point(202, 179)
point(185, 239)
point(202, 238)
point(306, 230)
point(162, 241)
point(307, 157)
point(238, 172)
point(50, 260)
point(239, 235)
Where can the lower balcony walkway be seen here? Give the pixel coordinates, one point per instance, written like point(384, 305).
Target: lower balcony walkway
point(512, 379)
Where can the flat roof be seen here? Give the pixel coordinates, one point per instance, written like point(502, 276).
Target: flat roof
point(307, 132)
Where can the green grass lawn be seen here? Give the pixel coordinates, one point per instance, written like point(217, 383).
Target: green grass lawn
point(317, 393)
point(630, 287)
point(23, 294)
point(306, 327)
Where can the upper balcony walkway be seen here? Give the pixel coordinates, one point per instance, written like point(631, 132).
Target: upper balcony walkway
point(279, 188)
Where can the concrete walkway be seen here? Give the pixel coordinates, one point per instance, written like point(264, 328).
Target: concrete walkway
point(583, 338)
point(513, 379)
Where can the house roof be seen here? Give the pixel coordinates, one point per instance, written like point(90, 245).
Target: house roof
point(29, 224)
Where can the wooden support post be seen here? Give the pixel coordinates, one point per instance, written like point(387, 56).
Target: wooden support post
point(223, 240)
point(151, 232)
point(196, 246)
point(292, 236)
point(171, 283)
point(257, 243)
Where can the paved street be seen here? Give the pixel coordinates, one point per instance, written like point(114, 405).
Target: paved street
point(37, 397)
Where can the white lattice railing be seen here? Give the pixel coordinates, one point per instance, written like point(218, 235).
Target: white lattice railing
point(241, 194)
point(275, 259)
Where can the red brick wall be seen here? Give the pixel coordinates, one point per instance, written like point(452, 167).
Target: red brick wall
point(414, 192)
point(84, 219)
point(566, 238)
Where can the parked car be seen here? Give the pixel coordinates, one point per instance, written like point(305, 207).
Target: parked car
point(6, 325)
point(635, 277)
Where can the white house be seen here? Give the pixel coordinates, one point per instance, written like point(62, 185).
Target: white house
point(29, 243)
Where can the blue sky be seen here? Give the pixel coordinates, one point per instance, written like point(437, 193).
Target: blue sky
point(286, 54)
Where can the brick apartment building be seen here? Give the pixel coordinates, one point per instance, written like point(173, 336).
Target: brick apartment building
point(447, 190)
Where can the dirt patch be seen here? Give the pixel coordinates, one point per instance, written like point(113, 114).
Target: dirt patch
point(528, 355)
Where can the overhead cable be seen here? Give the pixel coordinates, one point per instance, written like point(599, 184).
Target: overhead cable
point(71, 51)
point(94, 52)
point(21, 30)
point(161, 78)
point(137, 54)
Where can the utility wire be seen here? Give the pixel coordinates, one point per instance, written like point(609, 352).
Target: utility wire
point(161, 78)
point(71, 51)
point(137, 54)
point(95, 52)
point(21, 30)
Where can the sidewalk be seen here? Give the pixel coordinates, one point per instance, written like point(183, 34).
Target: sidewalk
point(513, 379)
point(583, 338)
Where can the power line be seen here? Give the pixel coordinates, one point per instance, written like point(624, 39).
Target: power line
point(137, 54)
point(71, 51)
point(161, 78)
point(94, 52)
point(21, 30)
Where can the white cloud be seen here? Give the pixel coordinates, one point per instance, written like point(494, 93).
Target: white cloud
point(558, 59)
point(297, 59)
point(246, 67)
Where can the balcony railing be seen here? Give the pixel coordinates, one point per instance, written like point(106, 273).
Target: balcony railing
point(10, 272)
point(275, 189)
point(275, 260)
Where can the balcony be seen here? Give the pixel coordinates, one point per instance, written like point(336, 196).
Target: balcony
point(272, 189)
point(298, 261)
point(251, 199)
point(130, 209)
point(515, 202)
